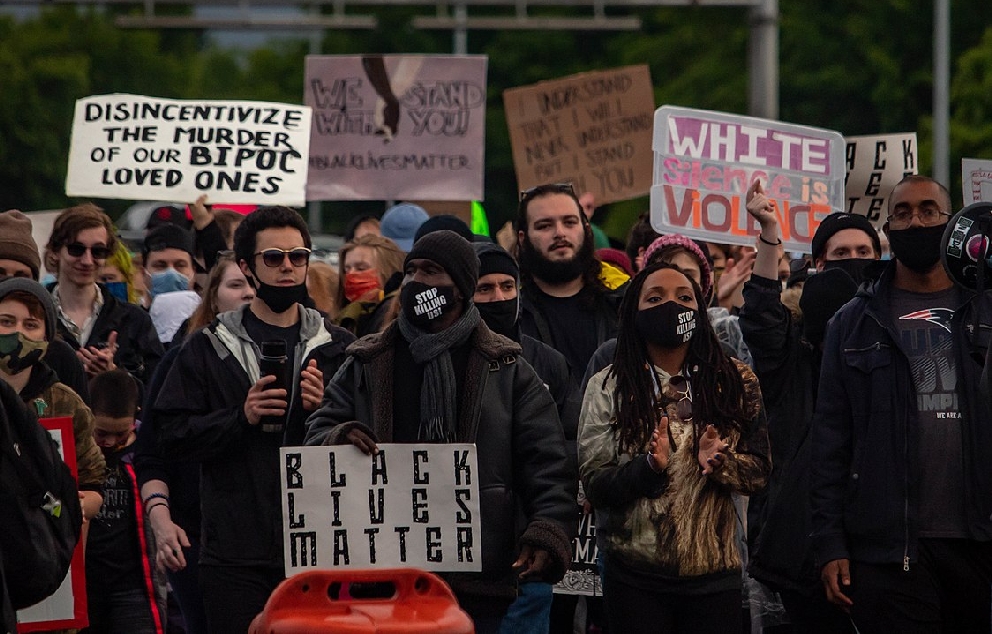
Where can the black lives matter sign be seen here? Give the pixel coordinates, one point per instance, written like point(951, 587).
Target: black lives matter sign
point(874, 165)
point(144, 148)
point(410, 505)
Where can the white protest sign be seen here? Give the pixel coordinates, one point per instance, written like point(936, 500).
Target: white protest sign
point(410, 505)
point(144, 148)
point(396, 127)
point(976, 180)
point(704, 163)
point(66, 608)
point(875, 164)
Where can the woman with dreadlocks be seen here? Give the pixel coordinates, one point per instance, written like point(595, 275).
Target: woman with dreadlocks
point(667, 434)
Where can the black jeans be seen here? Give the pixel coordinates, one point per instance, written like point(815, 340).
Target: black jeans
point(631, 610)
point(233, 595)
point(946, 590)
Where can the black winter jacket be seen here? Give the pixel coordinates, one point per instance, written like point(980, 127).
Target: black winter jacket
point(138, 347)
point(201, 418)
point(781, 554)
point(523, 471)
point(864, 493)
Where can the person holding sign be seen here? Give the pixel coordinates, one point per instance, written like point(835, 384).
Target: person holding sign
point(439, 374)
point(217, 408)
point(667, 435)
point(901, 490)
point(787, 350)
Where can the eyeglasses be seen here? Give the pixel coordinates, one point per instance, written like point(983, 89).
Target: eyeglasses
point(273, 258)
point(77, 249)
point(548, 188)
point(928, 215)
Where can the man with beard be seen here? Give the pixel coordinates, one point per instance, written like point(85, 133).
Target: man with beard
point(217, 409)
point(569, 299)
point(901, 490)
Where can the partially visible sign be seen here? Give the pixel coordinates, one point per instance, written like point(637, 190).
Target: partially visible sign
point(704, 163)
point(145, 148)
point(583, 573)
point(976, 180)
point(410, 505)
point(67, 607)
point(396, 127)
point(875, 164)
point(592, 130)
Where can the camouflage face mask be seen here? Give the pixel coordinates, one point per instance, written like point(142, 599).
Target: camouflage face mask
point(18, 353)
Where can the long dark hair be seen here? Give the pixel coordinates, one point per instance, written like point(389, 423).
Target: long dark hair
point(717, 388)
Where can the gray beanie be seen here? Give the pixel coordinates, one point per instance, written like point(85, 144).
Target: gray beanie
point(452, 252)
point(31, 287)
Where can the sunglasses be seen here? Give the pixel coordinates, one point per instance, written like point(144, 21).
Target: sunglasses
point(273, 258)
point(77, 249)
point(552, 188)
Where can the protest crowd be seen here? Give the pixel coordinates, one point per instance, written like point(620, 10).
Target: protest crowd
point(760, 440)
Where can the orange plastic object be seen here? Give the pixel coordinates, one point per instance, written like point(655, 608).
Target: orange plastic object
point(390, 601)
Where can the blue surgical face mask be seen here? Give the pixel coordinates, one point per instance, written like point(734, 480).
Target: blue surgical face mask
point(168, 281)
point(118, 290)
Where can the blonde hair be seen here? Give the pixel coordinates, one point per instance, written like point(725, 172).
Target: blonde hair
point(207, 310)
point(121, 260)
point(388, 261)
point(323, 287)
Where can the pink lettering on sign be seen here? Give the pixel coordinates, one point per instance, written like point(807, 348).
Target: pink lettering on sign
point(747, 144)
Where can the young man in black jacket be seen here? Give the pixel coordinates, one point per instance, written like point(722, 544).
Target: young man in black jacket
point(212, 405)
point(901, 489)
point(438, 374)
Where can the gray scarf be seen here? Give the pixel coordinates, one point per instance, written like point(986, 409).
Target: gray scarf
point(438, 396)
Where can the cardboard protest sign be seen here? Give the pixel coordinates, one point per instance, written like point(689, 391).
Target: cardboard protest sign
point(875, 164)
point(592, 130)
point(705, 162)
point(144, 148)
point(67, 607)
point(410, 505)
point(976, 180)
point(396, 127)
point(583, 574)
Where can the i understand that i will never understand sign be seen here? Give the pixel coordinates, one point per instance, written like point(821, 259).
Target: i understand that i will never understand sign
point(410, 505)
point(144, 148)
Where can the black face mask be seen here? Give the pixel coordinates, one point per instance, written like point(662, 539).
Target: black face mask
point(501, 317)
point(918, 248)
point(855, 267)
point(669, 325)
point(424, 304)
point(281, 298)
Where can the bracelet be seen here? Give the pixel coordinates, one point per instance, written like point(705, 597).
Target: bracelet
point(153, 496)
point(777, 242)
point(148, 511)
point(651, 464)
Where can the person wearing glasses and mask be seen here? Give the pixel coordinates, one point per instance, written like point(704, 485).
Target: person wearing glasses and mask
point(105, 332)
point(901, 491)
point(217, 409)
point(667, 435)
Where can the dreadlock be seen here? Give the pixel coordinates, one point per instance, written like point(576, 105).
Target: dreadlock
point(717, 387)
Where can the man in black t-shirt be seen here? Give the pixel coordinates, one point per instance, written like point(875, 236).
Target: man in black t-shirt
point(901, 491)
point(569, 299)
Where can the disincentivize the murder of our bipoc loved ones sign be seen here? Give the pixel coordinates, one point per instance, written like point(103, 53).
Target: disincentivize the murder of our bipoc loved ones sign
point(704, 163)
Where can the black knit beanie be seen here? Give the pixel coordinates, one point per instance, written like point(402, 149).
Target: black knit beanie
point(838, 222)
point(494, 259)
point(452, 252)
